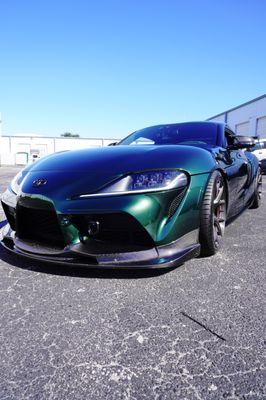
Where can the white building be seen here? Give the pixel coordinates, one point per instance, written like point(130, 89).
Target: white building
point(21, 150)
point(247, 119)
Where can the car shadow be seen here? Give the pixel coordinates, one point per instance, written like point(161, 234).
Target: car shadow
point(78, 272)
point(235, 217)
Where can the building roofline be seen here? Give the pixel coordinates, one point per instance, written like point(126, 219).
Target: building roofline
point(53, 137)
point(235, 108)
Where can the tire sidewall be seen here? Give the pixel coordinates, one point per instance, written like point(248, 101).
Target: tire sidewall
point(207, 234)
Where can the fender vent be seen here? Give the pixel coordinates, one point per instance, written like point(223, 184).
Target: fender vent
point(175, 203)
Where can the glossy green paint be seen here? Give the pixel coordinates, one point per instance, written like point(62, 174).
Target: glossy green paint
point(81, 172)
point(151, 210)
point(117, 160)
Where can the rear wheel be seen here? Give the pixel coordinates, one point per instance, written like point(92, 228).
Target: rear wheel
point(258, 191)
point(213, 215)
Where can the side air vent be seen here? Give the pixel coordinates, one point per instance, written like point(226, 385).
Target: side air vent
point(175, 203)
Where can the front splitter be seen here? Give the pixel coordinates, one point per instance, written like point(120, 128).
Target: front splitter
point(167, 256)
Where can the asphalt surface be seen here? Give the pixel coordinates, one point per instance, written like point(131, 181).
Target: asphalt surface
point(195, 332)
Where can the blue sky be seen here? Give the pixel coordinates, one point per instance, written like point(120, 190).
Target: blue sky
point(106, 68)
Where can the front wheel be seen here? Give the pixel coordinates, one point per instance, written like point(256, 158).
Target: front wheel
point(213, 215)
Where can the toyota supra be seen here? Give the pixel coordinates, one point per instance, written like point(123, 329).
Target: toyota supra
point(157, 198)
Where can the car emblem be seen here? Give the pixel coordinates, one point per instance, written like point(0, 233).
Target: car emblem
point(39, 182)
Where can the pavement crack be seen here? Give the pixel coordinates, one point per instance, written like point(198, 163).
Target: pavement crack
point(203, 326)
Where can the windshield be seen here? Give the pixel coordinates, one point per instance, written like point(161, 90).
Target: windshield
point(197, 134)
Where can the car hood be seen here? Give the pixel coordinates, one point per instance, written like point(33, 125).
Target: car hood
point(89, 169)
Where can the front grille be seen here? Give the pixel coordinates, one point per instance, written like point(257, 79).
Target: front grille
point(10, 214)
point(39, 225)
point(118, 232)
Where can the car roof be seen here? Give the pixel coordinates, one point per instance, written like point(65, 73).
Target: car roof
point(195, 123)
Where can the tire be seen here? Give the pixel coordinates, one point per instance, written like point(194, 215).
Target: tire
point(257, 192)
point(213, 215)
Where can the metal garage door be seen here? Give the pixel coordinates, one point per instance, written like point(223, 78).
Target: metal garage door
point(261, 127)
point(243, 128)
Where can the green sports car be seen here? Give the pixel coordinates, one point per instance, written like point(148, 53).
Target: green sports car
point(158, 197)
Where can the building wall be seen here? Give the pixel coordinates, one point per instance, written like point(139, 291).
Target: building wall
point(21, 150)
point(247, 119)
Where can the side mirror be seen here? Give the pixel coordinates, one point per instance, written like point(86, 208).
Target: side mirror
point(112, 144)
point(242, 142)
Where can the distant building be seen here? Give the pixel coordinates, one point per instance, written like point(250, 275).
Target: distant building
point(246, 119)
point(21, 150)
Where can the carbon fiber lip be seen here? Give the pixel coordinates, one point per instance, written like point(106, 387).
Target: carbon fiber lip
point(167, 256)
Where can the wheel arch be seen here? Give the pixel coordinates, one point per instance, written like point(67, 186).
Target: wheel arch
point(224, 175)
point(211, 231)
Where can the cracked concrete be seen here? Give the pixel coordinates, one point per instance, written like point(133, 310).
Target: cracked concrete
point(77, 334)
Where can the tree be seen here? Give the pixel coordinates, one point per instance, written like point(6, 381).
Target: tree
point(69, 134)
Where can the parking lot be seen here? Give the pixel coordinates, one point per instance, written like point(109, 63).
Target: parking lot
point(194, 332)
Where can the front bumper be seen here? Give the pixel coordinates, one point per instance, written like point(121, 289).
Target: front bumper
point(77, 255)
point(157, 230)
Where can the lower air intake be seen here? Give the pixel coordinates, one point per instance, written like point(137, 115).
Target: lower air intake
point(39, 225)
point(118, 232)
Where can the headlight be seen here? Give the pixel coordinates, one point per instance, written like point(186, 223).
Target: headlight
point(150, 181)
point(16, 182)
